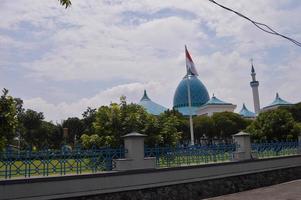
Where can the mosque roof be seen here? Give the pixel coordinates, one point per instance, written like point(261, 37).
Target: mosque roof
point(150, 106)
point(278, 102)
point(198, 92)
point(246, 113)
point(215, 101)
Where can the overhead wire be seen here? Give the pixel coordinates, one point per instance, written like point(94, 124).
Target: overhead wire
point(259, 25)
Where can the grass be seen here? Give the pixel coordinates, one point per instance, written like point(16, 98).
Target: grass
point(283, 152)
point(186, 160)
point(19, 169)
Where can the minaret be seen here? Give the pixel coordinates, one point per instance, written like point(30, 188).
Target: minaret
point(254, 85)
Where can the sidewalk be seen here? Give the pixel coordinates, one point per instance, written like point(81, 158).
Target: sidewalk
point(285, 191)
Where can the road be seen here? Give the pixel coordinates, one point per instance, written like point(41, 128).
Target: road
point(285, 191)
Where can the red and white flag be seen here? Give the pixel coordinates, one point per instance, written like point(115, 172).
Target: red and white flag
point(189, 63)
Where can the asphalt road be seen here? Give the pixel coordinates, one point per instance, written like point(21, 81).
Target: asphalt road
point(285, 191)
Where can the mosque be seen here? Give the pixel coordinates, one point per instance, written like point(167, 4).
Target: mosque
point(202, 104)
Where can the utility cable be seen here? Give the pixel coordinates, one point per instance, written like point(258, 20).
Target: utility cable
point(259, 25)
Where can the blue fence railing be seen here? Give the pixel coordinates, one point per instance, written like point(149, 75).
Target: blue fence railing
point(191, 155)
point(271, 149)
point(28, 163)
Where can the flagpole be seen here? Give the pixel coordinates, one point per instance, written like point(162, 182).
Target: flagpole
point(190, 111)
point(189, 99)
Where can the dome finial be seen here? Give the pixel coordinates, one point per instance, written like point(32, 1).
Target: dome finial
point(277, 95)
point(244, 106)
point(213, 95)
point(145, 97)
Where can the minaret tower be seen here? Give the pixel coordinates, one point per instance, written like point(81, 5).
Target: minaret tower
point(254, 85)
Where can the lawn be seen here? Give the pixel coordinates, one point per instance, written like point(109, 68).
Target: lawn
point(30, 168)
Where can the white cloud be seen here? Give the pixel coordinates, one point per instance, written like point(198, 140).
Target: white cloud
point(97, 41)
point(63, 110)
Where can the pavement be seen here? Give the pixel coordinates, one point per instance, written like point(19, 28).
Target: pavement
point(285, 191)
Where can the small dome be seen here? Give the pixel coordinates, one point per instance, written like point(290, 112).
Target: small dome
point(244, 112)
point(215, 101)
point(150, 106)
point(279, 102)
point(199, 93)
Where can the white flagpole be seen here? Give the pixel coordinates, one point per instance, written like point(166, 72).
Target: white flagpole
point(189, 103)
point(190, 111)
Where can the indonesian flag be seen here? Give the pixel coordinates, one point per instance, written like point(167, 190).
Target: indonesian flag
point(189, 64)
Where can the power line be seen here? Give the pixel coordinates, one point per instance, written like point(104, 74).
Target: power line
point(259, 25)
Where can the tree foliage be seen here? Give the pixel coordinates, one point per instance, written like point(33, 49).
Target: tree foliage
point(228, 123)
point(275, 125)
point(89, 116)
point(30, 128)
point(204, 126)
point(295, 110)
point(221, 125)
point(8, 118)
point(75, 127)
point(116, 120)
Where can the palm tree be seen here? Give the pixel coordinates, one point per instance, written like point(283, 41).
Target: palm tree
point(66, 3)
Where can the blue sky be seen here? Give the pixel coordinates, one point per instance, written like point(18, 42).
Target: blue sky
point(61, 61)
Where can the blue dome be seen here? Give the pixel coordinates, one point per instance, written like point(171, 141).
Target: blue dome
point(199, 93)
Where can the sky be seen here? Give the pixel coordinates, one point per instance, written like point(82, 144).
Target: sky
point(60, 61)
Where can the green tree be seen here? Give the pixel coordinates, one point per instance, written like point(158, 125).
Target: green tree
point(75, 129)
point(169, 132)
point(89, 116)
point(295, 110)
point(53, 135)
point(95, 140)
point(228, 123)
point(30, 128)
point(8, 118)
point(116, 120)
point(204, 126)
point(276, 124)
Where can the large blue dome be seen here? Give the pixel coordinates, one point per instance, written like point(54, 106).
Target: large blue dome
point(199, 93)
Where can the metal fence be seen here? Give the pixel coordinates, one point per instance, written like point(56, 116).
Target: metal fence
point(273, 149)
point(191, 155)
point(28, 163)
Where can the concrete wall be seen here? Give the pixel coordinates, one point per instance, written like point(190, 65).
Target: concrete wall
point(136, 181)
point(206, 188)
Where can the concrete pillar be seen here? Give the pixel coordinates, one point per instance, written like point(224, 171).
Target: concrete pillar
point(134, 156)
point(243, 149)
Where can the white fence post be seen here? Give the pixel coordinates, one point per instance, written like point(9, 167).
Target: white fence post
point(243, 149)
point(134, 156)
